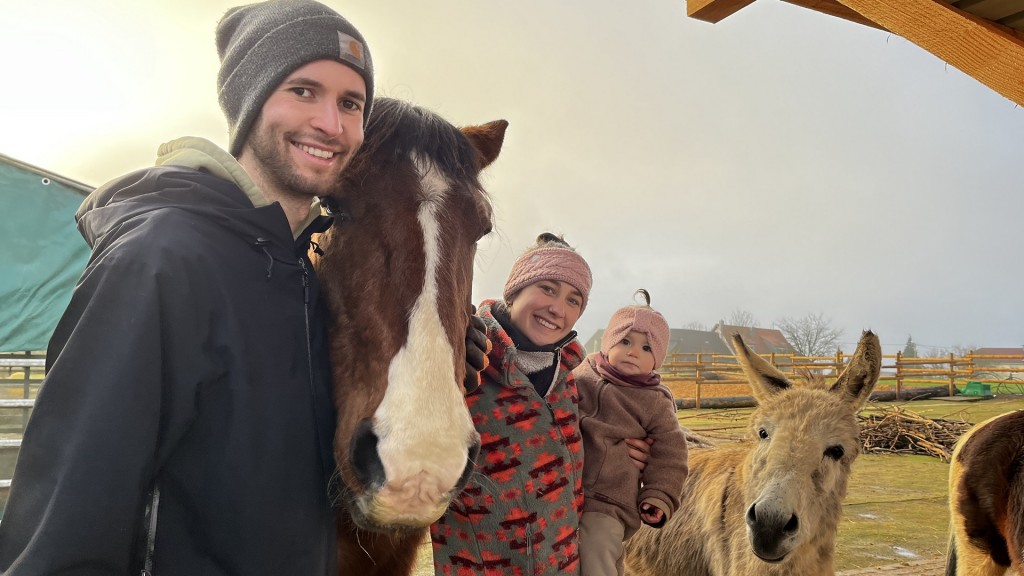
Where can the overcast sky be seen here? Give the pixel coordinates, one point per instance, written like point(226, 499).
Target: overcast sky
point(781, 162)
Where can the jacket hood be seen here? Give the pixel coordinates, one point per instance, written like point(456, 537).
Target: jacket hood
point(195, 175)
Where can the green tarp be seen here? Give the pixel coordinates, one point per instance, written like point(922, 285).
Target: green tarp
point(41, 252)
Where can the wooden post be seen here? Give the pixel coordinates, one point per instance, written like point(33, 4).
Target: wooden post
point(839, 362)
point(28, 376)
point(26, 392)
point(899, 375)
point(696, 394)
point(952, 375)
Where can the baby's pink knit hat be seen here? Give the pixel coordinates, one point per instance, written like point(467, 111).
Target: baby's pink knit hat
point(551, 259)
point(638, 318)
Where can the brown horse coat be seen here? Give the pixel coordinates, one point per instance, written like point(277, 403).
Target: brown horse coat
point(986, 499)
point(397, 270)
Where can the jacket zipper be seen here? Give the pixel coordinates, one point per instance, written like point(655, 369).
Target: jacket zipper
point(529, 548)
point(572, 459)
point(312, 384)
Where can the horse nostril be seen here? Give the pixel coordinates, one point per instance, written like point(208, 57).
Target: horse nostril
point(366, 463)
point(792, 526)
point(474, 451)
point(751, 515)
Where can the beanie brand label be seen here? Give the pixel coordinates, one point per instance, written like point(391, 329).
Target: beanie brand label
point(351, 50)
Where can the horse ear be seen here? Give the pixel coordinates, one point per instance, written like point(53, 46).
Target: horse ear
point(861, 374)
point(487, 139)
point(765, 380)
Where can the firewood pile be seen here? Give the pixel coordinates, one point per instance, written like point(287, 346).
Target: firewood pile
point(899, 431)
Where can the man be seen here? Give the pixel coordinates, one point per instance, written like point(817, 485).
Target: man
point(186, 422)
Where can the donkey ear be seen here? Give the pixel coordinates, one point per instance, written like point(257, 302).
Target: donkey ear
point(765, 379)
point(861, 374)
point(487, 139)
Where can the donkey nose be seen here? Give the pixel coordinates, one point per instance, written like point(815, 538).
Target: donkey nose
point(792, 526)
point(772, 523)
point(366, 462)
point(771, 532)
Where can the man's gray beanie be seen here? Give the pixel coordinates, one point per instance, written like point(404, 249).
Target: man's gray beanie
point(261, 44)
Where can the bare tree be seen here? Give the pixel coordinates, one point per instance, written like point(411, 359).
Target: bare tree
point(958, 351)
point(741, 317)
point(695, 325)
point(812, 335)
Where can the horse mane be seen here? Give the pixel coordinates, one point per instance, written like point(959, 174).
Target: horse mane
point(398, 130)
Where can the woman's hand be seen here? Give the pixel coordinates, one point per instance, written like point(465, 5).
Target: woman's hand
point(640, 451)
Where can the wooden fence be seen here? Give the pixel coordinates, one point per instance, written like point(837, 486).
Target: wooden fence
point(21, 375)
point(722, 370)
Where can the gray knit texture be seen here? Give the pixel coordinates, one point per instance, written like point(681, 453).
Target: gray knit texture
point(261, 44)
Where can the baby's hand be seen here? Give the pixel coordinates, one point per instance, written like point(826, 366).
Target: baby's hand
point(651, 514)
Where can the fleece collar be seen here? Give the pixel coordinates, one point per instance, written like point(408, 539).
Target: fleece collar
point(201, 154)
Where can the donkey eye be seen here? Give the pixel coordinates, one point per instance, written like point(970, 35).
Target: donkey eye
point(834, 452)
point(762, 433)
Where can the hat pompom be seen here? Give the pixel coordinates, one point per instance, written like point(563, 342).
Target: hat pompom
point(550, 259)
point(639, 318)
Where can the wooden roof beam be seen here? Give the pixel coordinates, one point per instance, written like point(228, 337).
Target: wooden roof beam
point(989, 53)
point(714, 10)
point(834, 8)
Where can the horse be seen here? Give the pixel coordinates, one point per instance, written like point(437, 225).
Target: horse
point(771, 506)
point(986, 499)
point(396, 270)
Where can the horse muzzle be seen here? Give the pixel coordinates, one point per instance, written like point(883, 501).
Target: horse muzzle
point(411, 491)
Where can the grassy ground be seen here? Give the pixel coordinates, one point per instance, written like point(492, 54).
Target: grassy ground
point(895, 509)
point(896, 506)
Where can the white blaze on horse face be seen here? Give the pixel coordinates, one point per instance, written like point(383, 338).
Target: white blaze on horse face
point(423, 425)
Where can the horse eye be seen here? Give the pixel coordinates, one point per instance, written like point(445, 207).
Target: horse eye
point(762, 433)
point(834, 452)
point(485, 232)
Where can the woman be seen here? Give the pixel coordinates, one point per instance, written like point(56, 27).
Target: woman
point(520, 511)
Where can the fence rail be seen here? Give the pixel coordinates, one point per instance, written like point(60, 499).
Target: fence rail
point(722, 369)
point(21, 375)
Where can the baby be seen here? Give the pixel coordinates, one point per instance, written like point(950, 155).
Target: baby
point(621, 396)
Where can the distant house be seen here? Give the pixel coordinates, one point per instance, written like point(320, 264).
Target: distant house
point(688, 343)
point(43, 254)
point(681, 342)
point(760, 340)
point(684, 345)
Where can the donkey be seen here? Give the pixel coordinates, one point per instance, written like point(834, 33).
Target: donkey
point(770, 507)
point(986, 499)
point(397, 271)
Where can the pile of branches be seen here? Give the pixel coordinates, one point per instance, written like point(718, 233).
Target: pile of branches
point(898, 431)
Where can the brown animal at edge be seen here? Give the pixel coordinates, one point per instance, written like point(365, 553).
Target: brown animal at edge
point(986, 499)
point(397, 270)
point(771, 506)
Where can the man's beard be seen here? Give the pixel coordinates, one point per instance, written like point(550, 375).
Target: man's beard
point(272, 152)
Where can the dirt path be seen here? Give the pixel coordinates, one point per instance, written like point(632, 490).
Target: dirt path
point(930, 567)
